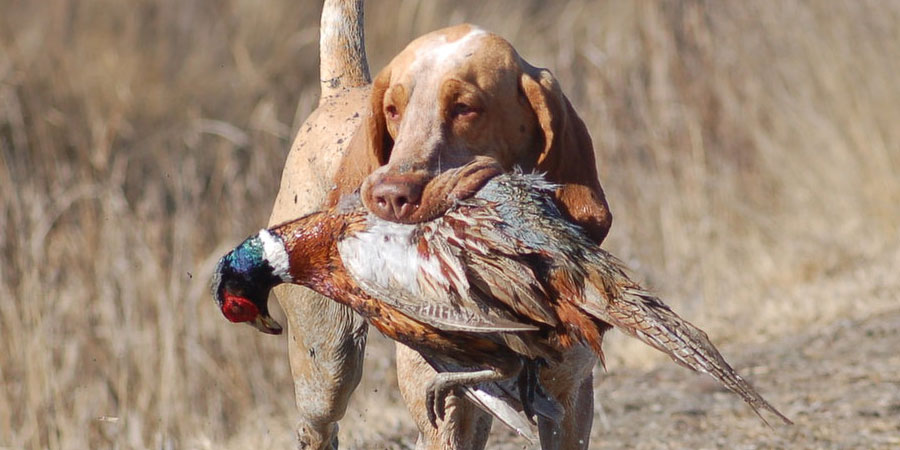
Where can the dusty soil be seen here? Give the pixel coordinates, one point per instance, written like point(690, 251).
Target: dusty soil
point(840, 385)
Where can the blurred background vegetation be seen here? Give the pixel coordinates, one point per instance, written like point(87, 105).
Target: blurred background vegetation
point(750, 153)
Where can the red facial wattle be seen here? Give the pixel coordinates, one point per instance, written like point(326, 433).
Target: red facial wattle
point(239, 309)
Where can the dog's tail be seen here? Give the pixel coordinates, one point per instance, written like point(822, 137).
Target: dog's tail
point(342, 48)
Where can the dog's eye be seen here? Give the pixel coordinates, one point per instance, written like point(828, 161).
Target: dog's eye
point(462, 110)
point(391, 112)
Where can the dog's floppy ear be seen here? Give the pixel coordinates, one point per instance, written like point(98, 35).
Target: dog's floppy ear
point(379, 140)
point(567, 155)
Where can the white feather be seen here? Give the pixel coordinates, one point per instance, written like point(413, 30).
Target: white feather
point(276, 255)
point(386, 255)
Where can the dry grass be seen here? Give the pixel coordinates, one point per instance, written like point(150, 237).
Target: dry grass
point(750, 150)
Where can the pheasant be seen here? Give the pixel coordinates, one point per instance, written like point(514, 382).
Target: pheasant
point(488, 292)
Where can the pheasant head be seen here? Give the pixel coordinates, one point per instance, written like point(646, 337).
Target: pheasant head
point(244, 277)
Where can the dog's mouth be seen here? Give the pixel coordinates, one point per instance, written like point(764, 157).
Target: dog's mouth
point(450, 186)
point(444, 190)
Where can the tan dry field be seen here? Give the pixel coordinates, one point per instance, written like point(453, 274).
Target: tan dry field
point(750, 152)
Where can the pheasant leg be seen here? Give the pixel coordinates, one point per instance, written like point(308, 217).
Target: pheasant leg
point(444, 382)
point(528, 388)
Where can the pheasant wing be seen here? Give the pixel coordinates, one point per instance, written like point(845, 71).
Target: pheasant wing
point(423, 278)
point(497, 264)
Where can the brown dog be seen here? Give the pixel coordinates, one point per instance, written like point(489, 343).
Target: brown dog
point(481, 99)
point(451, 97)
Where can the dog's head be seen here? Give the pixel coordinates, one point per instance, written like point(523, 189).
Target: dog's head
point(456, 107)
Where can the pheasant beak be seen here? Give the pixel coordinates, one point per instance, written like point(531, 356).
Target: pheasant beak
point(265, 323)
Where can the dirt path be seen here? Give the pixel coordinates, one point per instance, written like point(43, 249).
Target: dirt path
point(840, 385)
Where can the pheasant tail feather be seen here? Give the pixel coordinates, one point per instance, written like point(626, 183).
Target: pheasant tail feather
point(622, 303)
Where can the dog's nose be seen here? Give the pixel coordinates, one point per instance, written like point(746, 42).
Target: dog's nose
point(396, 197)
